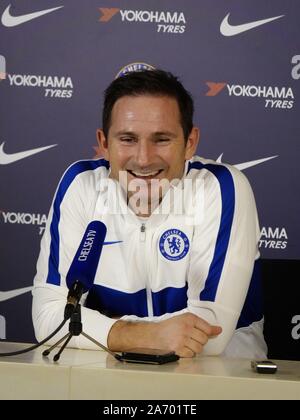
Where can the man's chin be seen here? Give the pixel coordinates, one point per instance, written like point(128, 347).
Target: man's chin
point(143, 208)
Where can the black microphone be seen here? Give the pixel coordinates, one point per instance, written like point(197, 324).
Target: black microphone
point(80, 277)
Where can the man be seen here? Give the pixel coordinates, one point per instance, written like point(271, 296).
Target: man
point(182, 233)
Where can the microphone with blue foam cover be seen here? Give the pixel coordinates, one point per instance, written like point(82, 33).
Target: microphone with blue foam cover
point(80, 277)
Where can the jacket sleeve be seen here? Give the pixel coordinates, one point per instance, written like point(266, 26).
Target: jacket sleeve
point(67, 221)
point(224, 250)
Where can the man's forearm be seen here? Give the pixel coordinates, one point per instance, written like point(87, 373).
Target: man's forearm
point(126, 335)
point(185, 334)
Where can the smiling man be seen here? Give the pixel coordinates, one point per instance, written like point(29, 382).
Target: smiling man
point(146, 142)
point(165, 280)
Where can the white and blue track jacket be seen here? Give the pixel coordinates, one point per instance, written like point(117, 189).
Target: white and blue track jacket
point(202, 259)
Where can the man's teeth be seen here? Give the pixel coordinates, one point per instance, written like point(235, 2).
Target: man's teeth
point(142, 174)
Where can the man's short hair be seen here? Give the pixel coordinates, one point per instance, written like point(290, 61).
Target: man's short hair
point(149, 82)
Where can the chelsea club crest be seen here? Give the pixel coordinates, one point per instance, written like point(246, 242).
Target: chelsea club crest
point(174, 244)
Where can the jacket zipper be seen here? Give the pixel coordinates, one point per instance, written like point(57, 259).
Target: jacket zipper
point(148, 289)
point(143, 232)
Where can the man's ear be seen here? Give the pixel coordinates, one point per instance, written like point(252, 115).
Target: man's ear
point(192, 143)
point(102, 143)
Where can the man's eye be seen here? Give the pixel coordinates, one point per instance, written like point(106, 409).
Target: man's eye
point(127, 139)
point(162, 140)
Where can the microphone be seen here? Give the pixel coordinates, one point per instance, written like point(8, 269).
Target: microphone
point(80, 277)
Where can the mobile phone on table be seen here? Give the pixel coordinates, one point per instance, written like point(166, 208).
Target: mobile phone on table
point(148, 356)
point(264, 366)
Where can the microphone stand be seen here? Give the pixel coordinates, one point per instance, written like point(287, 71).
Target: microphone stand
point(75, 329)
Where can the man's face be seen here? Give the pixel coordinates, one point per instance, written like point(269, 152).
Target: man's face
point(146, 141)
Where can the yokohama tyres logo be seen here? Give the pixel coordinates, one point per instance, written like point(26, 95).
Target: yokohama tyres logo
point(273, 238)
point(165, 21)
point(19, 218)
point(281, 97)
point(54, 86)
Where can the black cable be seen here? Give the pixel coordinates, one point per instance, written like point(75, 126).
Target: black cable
point(14, 353)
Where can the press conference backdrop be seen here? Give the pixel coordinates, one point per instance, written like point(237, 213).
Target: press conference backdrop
point(241, 61)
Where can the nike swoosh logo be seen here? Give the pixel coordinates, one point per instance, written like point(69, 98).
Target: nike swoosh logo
point(9, 21)
point(227, 29)
point(13, 293)
point(112, 242)
point(6, 159)
point(245, 165)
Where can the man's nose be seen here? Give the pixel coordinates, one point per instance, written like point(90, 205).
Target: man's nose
point(144, 153)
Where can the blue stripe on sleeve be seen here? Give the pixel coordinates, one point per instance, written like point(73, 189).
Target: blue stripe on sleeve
point(114, 303)
point(169, 300)
point(225, 180)
point(76, 169)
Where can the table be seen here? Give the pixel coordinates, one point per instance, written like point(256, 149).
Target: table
point(85, 374)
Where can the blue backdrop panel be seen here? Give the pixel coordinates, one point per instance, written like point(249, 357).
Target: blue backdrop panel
point(240, 60)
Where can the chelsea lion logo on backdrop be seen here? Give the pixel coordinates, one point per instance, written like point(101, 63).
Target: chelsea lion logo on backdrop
point(174, 244)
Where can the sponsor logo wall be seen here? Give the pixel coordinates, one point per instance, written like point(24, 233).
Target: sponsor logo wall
point(241, 61)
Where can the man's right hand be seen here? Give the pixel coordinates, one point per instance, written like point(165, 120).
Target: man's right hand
point(185, 334)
